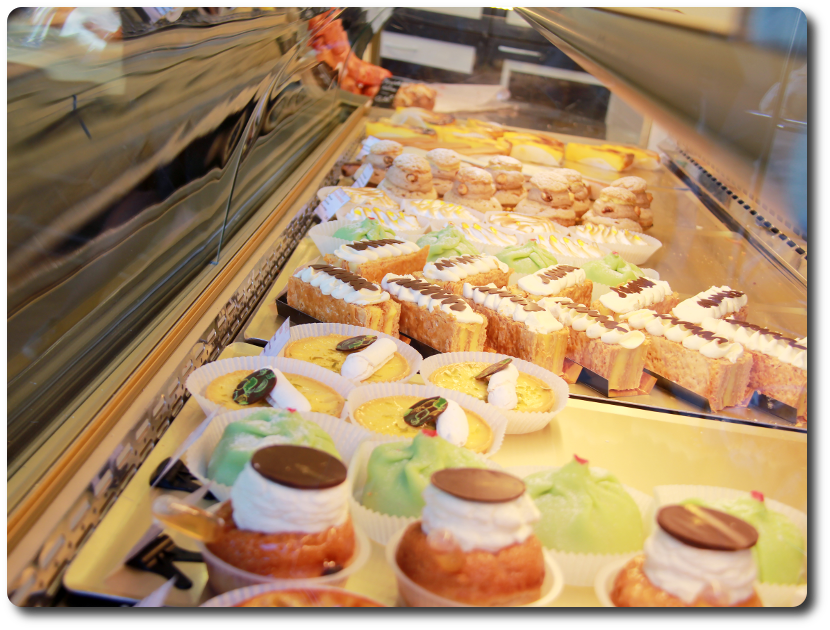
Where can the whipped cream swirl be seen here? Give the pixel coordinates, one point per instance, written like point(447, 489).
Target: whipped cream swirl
point(714, 302)
point(477, 525)
point(725, 577)
point(261, 505)
point(552, 280)
point(342, 284)
point(592, 323)
point(359, 366)
point(519, 309)
point(501, 388)
point(457, 268)
point(760, 339)
point(635, 294)
point(361, 252)
point(452, 425)
point(692, 336)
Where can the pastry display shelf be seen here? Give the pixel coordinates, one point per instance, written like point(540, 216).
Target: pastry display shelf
point(643, 449)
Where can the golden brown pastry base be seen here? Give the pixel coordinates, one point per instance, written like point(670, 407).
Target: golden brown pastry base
point(664, 306)
point(496, 276)
point(781, 381)
point(512, 576)
point(719, 381)
point(579, 293)
point(308, 598)
point(311, 301)
point(506, 336)
point(375, 270)
point(632, 589)
point(439, 330)
point(290, 555)
point(621, 367)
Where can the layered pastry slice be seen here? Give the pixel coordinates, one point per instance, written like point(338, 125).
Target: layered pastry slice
point(434, 316)
point(635, 295)
point(779, 363)
point(558, 281)
point(519, 327)
point(334, 295)
point(715, 302)
point(535, 148)
point(451, 273)
point(699, 360)
point(643, 158)
point(374, 259)
point(599, 157)
point(600, 344)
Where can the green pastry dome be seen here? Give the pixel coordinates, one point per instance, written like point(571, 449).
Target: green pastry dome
point(613, 270)
point(445, 243)
point(399, 472)
point(585, 511)
point(366, 230)
point(526, 258)
point(264, 428)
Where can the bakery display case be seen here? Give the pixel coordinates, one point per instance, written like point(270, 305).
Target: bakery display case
point(437, 189)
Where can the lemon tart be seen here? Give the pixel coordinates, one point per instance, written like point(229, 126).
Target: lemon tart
point(386, 415)
point(322, 351)
point(323, 399)
point(533, 393)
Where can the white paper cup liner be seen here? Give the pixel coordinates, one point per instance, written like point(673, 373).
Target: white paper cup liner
point(240, 595)
point(517, 421)
point(412, 356)
point(635, 254)
point(491, 415)
point(417, 596)
point(198, 381)
point(602, 289)
point(378, 526)
point(776, 594)
point(346, 437)
point(580, 569)
point(224, 577)
point(326, 242)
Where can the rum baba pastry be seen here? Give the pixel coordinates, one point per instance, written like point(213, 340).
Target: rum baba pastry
point(444, 164)
point(616, 207)
point(558, 281)
point(642, 198)
point(288, 515)
point(702, 362)
point(779, 363)
point(409, 177)
point(374, 259)
point(696, 557)
point(598, 343)
point(381, 155)
point(520, 327)
point(435, 316)
point(715, 302)
point(334, 295)
point(475, 543)
point(473, 187)
point(451, 273)
point(635, 295)
point(509, 180)
point(549, 197)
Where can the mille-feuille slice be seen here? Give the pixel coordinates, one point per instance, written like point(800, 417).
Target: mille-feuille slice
point(374, 259)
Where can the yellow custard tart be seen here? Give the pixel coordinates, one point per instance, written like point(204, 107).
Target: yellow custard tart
point(322, 351)
point(323, 399)
point(533, 394)
point(385, 415)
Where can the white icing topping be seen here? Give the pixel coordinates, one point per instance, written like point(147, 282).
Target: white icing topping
point(457, 268)
point(519, 310)
point(430, 301)
point(541, 284)
point(329, 285)
point(261, 505)
point(685, 333)
point(388, 218)
point(452, 425)
point(715, 305)
point(687, 572)
point(359, 256)
point(651, 292)
point(285, 395)
point(477, 525)
point(359, 366)
point(501, 388)
point(592, 323)
point(763, 341)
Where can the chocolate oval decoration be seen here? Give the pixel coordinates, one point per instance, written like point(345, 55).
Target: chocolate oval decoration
point(478, 484)
point(425, 412)
point(356, 343)
point(492, 369)
point(299, 467)
point(255, 387)
point(705, 528)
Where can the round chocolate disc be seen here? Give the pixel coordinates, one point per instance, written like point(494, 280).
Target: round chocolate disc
point(498, 366)
point(356, 343)
point(425, 412)
point(705, 528)
point(299, 467)
point(255, 387)
point(478, 484)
